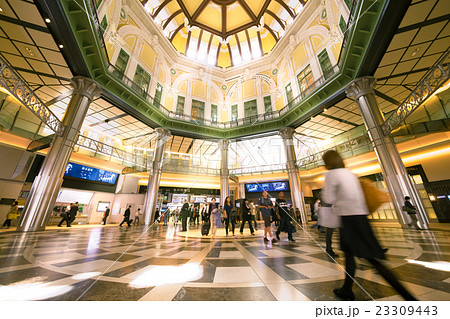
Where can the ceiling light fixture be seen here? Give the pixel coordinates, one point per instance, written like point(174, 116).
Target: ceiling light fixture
point(60, 46)
point(47, 20)
point(415, 52)
point(29, 51)
point(324, 110)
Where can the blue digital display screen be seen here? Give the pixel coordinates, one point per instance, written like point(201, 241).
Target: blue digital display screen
point(90, 173)
point(270, 187)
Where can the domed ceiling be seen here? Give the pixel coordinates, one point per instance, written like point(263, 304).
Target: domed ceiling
point(224, 33)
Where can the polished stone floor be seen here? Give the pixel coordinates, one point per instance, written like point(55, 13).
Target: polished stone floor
point(161, 263)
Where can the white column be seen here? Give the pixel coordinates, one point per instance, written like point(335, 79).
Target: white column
point(46, 185)
point(224, 171)
point(162, 136)
point(398, 181)
point(294, 179)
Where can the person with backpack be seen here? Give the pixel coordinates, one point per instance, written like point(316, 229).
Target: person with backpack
point(126, 217)
point(343, 189)
point(266, 206)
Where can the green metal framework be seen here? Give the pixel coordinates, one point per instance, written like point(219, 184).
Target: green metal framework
point(82, 17)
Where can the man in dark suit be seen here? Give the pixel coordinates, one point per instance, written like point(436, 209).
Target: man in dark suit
point(184, 215)
point(126, 217)
point(106, 215)
point(72, 214)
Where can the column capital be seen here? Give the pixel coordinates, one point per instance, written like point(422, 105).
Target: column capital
point(162, 133)
point(86, 87)
point(360, 86)
point(223, 144)
point(286, 133)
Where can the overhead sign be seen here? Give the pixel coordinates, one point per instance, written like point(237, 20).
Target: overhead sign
point(90, 173)
point(270, 187)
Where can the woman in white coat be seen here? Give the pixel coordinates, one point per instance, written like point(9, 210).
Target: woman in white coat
point(343, 189)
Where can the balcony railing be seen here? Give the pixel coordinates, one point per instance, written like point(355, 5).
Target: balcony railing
point(271, 168)
point(353, 147)
point(229, 124)
point(202, 121)
point(136, 161)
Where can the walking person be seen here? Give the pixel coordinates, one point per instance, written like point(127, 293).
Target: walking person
point(214, 216)
point(137, 217)
point(283, 216)
point(246, 217)
point(184, 215)
point(412, 212)
point(196, 216)
point(253, 212)
point(157, 215)
point(13, 213)
point(72, 213)
point(126, 217)
point(65, 216)
point(343, 189)
point(105, 215)
point(266, 206)
point(329, 232)
point(316, 208)
point(166, 216)
point(228, 212)
point(176, 213)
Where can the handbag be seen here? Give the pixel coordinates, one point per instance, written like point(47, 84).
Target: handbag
point(409, 210)
point(373, 196)
point(328, 218)
point(407, 219)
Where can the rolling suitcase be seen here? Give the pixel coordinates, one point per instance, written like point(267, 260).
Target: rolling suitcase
point(205, 229)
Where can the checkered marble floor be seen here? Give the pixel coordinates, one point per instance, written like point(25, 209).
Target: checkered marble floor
point(162, 263)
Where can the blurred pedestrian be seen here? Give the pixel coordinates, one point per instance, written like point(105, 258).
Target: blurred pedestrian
point(343, 189)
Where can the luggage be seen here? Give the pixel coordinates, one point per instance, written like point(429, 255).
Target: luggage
point(205, 229)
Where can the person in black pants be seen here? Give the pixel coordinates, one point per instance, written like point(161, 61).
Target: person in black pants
point(72, 214)
point(196, 215)
point(65, 216)
point(126, 217)
point(184, 215)
point(246, 217)
point(106, 215)
point(228, 207)
point(343, 189)
point(283, 216)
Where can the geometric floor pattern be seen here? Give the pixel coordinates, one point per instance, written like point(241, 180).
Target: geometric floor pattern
point(161, 263)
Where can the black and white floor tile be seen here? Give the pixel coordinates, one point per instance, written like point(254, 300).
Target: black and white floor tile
point(161, 263)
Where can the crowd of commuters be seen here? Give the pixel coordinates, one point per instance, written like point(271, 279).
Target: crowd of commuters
point(342, 195)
